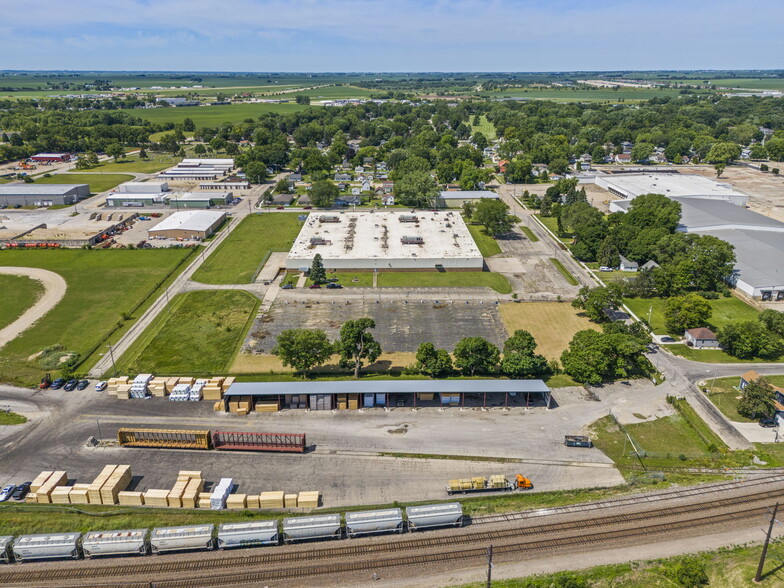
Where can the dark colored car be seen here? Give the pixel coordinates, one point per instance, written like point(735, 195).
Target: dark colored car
point(21, 491)
point(58, 383)
point(307, 207)
point(334, 286)
point(287, 287)
point(667, 340)
point(82, 384)
point(280, 208)
point(314, 286)
point(767, 422)
point(70, 385)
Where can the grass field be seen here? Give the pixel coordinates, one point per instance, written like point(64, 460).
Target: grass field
point(444, 280)
point(725, 311)
point(485, 127)
point(349, 280)
point(530, 235)
point(331, 93)
point(199, 337)
point(488, 246)
point(19, 294)
point(724, 394)
point(583, 93)
point(239, 258)
point(713, 355)
point(564, 272)
point(102, 287)
point(553, 324)
point(133, 164)
point(11, 418)
point(213, 116)
point(98, 182)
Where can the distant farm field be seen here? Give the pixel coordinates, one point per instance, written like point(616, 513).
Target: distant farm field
point(98, 182)
point(211, 116)
point(19, 294)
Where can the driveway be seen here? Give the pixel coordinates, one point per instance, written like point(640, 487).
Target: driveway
point(54, 290)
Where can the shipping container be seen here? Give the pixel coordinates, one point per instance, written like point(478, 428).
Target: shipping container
point(191, 538)
point(448, 514)
point(236, 440)
point(33, 547)
point(253, 534)
point(164, 438)
point(306, 528)
point(107, 543)
point(5, 549)
point(372, 522)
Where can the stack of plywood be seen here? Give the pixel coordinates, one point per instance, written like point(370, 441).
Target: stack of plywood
point(114, 383)
point(190, 497)
point(342, 401)
point(155, 497)
point(353, 401)
point(204, 499)
point(236, 501)
point(117, 482)
point(177, 493)
point(43, 495)
point(158, 387)
point(267, 407)
point(80, 494)
point(218, 406)
point(252, 500)
point(59, 495)
point(272, 500)
point(40, 480)
point(131, 498)
point(290, 500)
point(308, 499)
point(241, 405)
point(186, 381)
point(94, 491)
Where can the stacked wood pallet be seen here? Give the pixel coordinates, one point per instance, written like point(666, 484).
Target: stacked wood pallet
point(252, 501)
point(190, 497)
point(308, 499)
point(186, 380)
point(131, 498)
point(236, 501)
point(240, 406)
point(267, 407)
point(204, 499)
point(342, 401)
point(353, 401)
point(158, 387)
point(272, 500)
point(79, 494)
point(124, 391)
point(290, 501)
point(177, 492)
point(117, 481)
point(156, 497)
point(43, 495)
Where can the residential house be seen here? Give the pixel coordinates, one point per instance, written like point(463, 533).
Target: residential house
point(701, 338)
point(628, 266)
point(649, 266)
point(623, 158)
point(626, 146)
point(355, 191)
point(388, 200)
point(778, 401)
point(359, 169)
point(502, 165)
point(295, 177)
point(657, 157)
point(368, 161)
point(341, 177)
point(388, 187)
point(366, 186)
point(488, 152)
point(381, 166)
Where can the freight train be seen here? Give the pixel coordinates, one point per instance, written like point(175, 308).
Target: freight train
point(130, 542)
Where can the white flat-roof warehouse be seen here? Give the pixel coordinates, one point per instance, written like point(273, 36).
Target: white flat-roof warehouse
point(421, 240)
point(674, 185)
point(188, 224)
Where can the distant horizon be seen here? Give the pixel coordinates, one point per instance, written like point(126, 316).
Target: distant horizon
point(395, 72)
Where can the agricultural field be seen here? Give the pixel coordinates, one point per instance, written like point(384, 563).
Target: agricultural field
point(98, 182)
point(19, 294)
point(107, 290)
point(133, 164)
point(331, 93)
point(725, 311)
point(199, 335)
point(213, 116)
point(240, 257)
point(485, 127)
point(583, 93)
point(553, 324)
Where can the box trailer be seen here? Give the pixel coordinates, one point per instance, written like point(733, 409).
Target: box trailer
point(430, 516)
point(190, 538)
point(34, 547)
point(252, 534)
point(5, 548)
point(108, 543)
point(372, 522)
point(306, 528)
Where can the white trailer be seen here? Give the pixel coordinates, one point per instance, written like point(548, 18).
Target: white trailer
point(448, 514)
point(305, 528)
point(5, 548)
point(371, 522)
point(32, 547)
point(247, 534)
point(101, 543)
point(191, 538)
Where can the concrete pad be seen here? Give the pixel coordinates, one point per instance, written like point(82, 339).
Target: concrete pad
point(756, 434)
point(505, 265)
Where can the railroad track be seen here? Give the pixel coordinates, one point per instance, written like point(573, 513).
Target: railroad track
point(474, 553)
point(410, 543)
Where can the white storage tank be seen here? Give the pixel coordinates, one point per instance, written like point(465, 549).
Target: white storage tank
point(448, 514)
point(59, 546)
point(130, 542)
point(318, 527)
point(247, 534)
point(371, 522)
point(191, 538)
point(5, 548)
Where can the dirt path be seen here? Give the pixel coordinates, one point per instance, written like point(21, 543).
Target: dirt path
point(54, 290)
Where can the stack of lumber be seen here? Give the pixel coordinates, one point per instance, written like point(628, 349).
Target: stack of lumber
point(118, 481)
point(272, 500)
point(114, 383)
point(290, 500)
point(426, 396)
point(124, 391)
point(94, 491)
point(158, 387)
point(43, 495)
point(190, 497)
point(218, 406)
point(204, 499)
point(353, 401)
point(252, 500)
point(131, 498)
point(240, 406)
point(60, 495)
point(184, 481)
point(155, 497)
point(188, 381)
point(79, 494)
point(267, 407)
point(213, 389)
point(40, 480)
point(308, 499)
point(226, 383)
point(236, 501)
point(342, 401)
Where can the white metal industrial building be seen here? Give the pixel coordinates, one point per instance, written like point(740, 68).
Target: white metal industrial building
point(386, 240)
point(188, 224)
point(42, 194)
point(199, 169)
point(143, 187)
point(456, 198)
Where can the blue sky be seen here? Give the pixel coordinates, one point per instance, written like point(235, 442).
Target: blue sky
point(390, 35)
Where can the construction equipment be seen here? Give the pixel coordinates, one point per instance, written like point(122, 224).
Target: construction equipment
point(495, 483)
point(46, 381)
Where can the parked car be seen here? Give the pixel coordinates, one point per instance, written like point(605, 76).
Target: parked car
point(21, 491)
point(287, 287)
point(307, 207)
point(314, 286)
point(58, 383)
point(70, 385)
point(82, 384)
point(101, 386)
point(6, 492)
point(280, 208)
point(604, 268)
point(768, 422)
point(334, 286)
point(666, 339)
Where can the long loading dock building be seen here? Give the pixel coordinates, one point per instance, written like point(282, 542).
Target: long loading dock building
point(347, 395)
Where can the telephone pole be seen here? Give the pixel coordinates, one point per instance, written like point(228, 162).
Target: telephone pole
point(490, 566)
point(758, 577)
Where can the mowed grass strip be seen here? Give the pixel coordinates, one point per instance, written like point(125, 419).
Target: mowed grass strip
point(553, 324)
point(491, 280)
point(564, 272)
point(19, 294)
point(133, 164)
point(98, 182)
point(238, 259)
point(199, 335)
point(725, 311)
point(102, 286)
point(488, 246)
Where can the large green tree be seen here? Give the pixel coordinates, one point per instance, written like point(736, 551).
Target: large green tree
point(416, 189)
point(686, 312)
point(324, 193)
point(750, 339)
point(598, 302)
point(436, 363)
point(594, 357)
point(317, 272)
point(255, 171)
point(476, 355)
point(757, 399)
point(356, 345)
point(520, 359)
point(303, 349)
point(494, 216)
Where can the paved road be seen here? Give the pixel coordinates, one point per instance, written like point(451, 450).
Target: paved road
point(54, 290)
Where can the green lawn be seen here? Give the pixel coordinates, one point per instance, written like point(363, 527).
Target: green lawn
point(132, 163)
point(530, 235)
point(19, 294)
point(444, 280)
point(725, 311)
point(199, 336)
point(485, 127)
point(488, 246)
point(213, 116)
point(98, 182)
point(349, 280)
point(240, 257)
point(103, 285)
point(11, 418)
point(564, 272)
point(713, 355)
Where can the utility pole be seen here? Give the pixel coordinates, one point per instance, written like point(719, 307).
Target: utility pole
point(111, 354)
point(758, 577)
point(490, 565)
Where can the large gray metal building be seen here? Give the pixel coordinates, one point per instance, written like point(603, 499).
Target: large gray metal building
point(42, 194)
